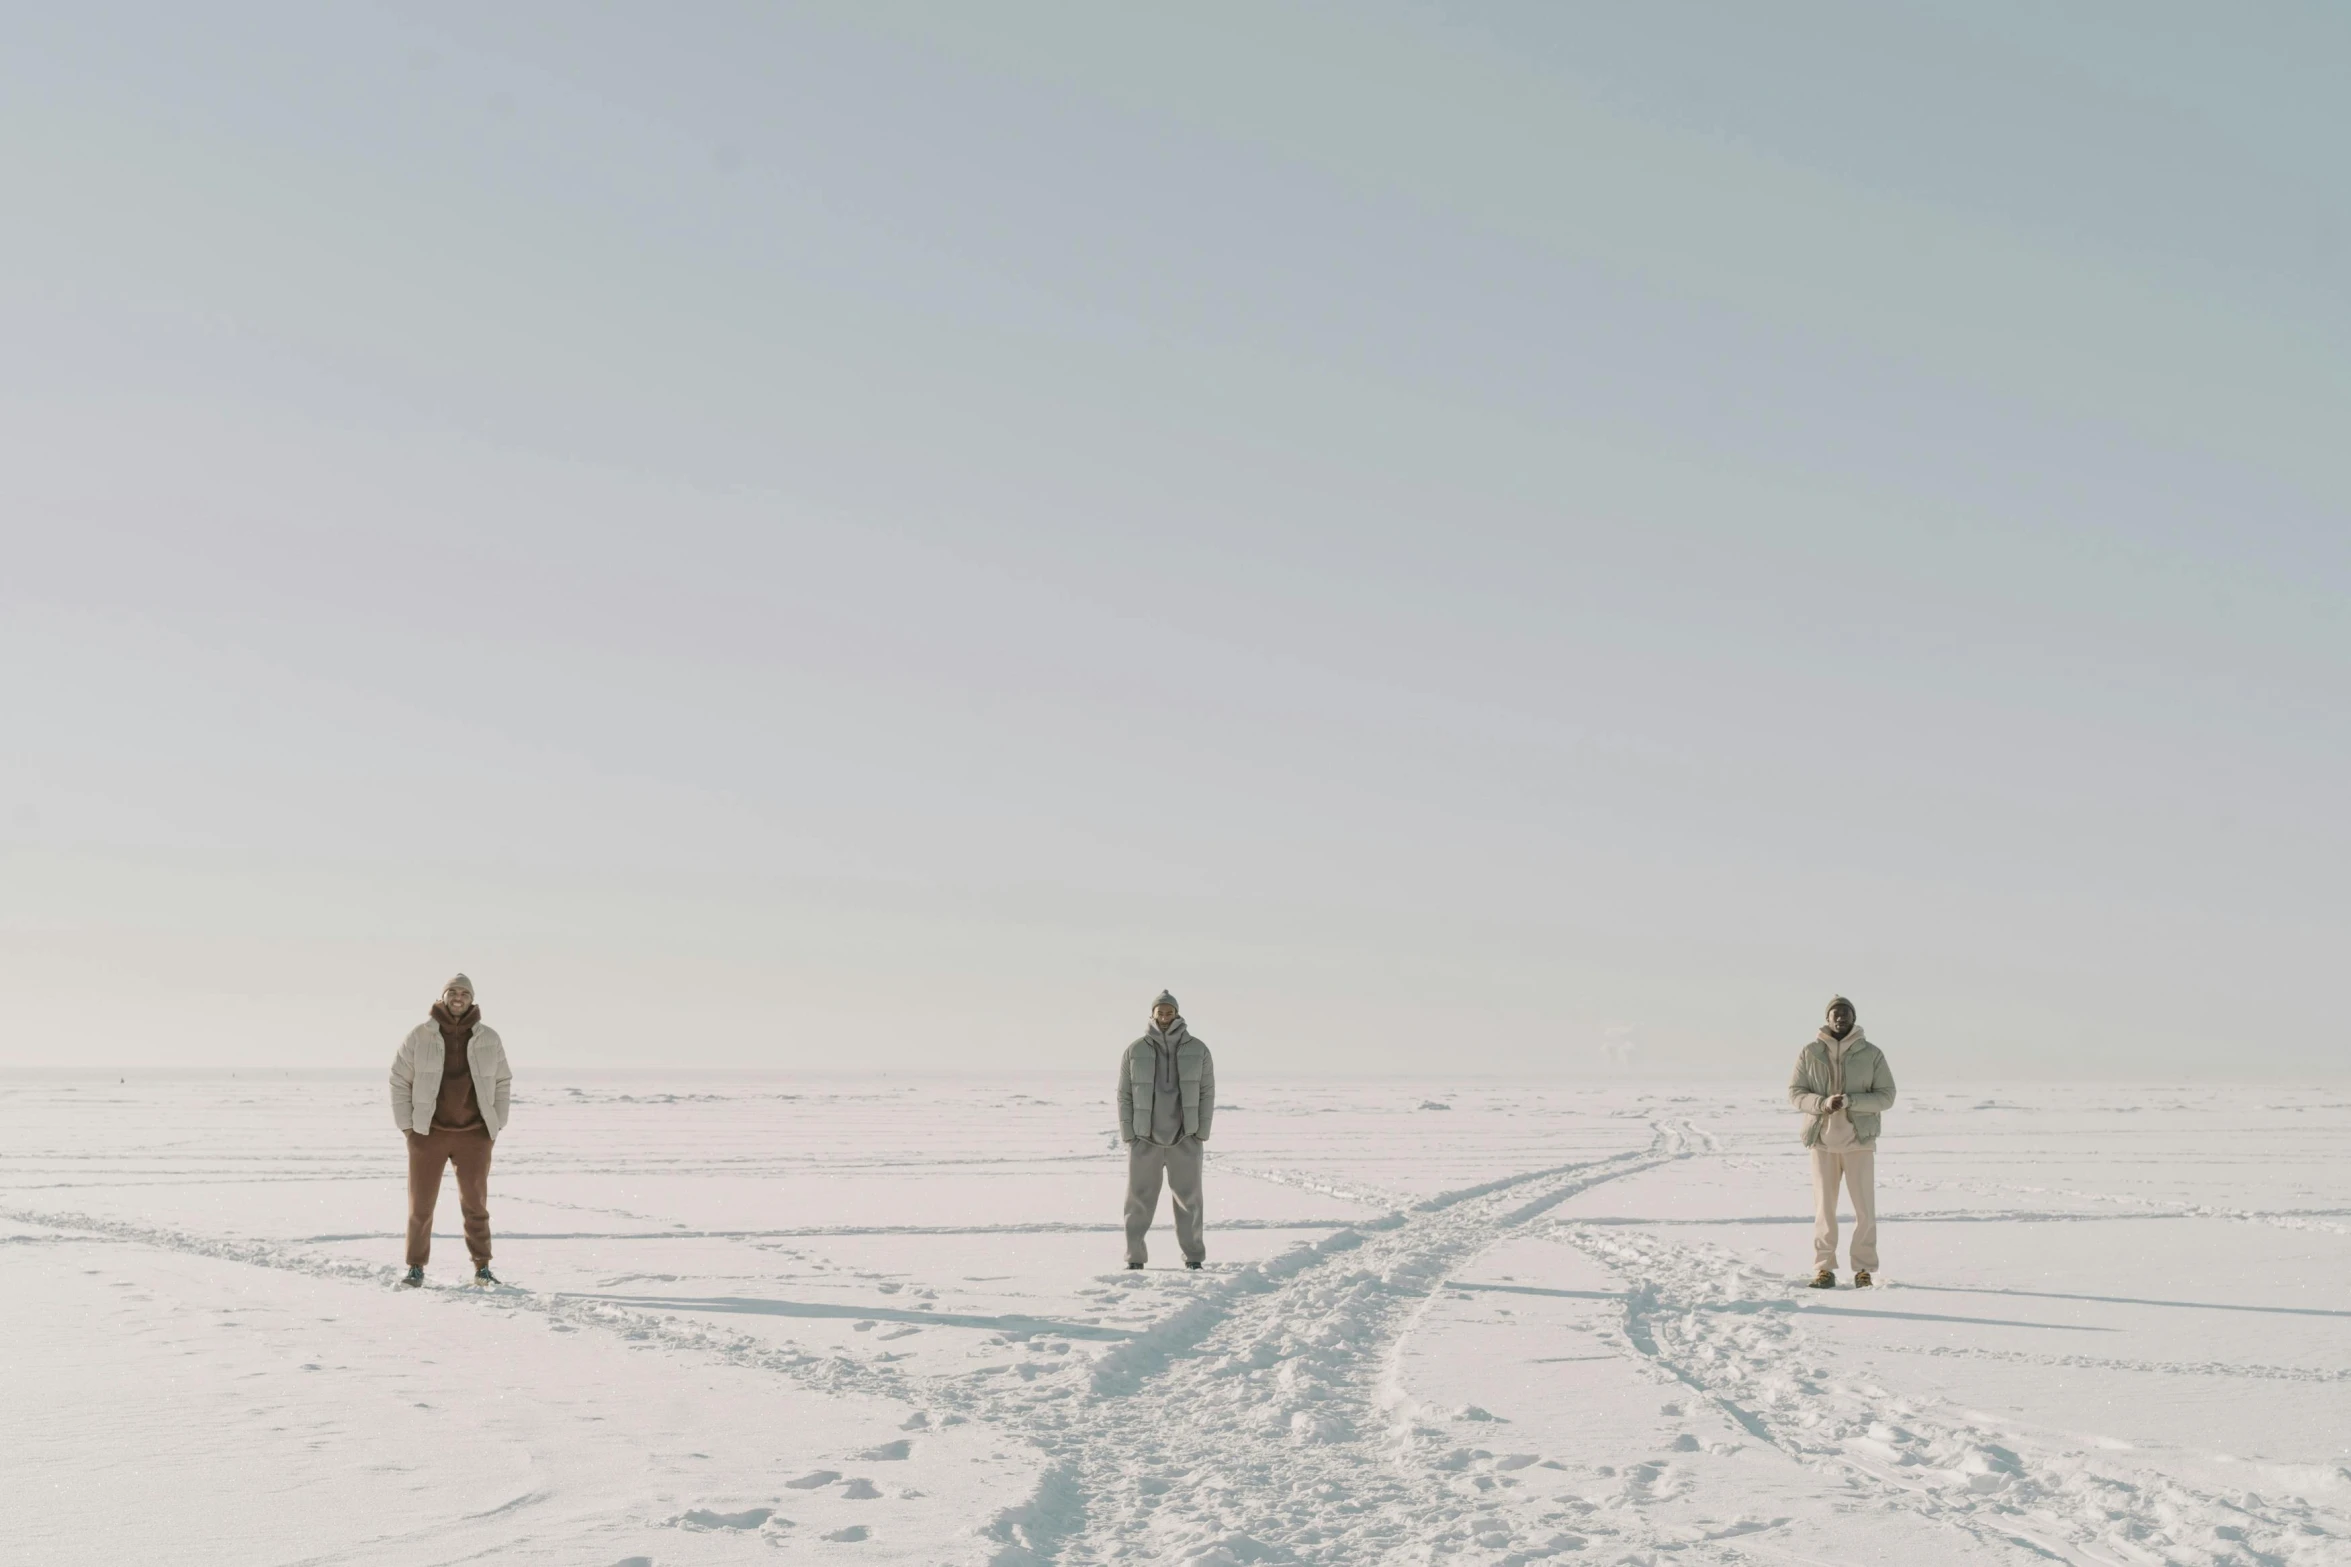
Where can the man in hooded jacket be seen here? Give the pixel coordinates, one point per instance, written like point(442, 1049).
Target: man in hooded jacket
point(1842, 1085)
point(1166, 1100)
point(450, 1091)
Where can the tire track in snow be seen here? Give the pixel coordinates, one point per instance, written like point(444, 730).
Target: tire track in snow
point(2140, 1207)
point(1312, 1181)
point(837, 1374)
point(1263, 1422)
point(2169, 1368)
point(1733, 1333)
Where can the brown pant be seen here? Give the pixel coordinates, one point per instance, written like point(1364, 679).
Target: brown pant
point(470, 1152)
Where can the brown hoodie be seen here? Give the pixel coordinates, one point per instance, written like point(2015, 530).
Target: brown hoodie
point(459, 1108)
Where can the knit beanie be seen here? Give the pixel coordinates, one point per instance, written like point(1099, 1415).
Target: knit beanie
point(1166, 999)
point(1839, 1001)
point(460, 982)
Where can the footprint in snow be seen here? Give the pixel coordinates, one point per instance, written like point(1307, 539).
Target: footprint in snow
point(704, 1518)
point(813, 1479)
point(860, 1490)
point(853, 1533)
point(888, 1452)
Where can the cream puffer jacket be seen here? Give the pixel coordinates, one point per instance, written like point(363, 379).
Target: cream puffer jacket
point(416, 1077)
point(1868, 1087)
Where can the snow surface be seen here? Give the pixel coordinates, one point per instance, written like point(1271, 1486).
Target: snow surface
point(883, 1320)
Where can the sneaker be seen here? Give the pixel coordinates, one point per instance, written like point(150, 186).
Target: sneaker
point(1194, 1263)
point(483, 1275)
point(1825, 1279)
point(1861, 1279)
point(1134, 1265)
point(415, 1278)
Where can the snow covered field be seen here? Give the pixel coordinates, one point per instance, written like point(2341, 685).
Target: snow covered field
point(883, 1320)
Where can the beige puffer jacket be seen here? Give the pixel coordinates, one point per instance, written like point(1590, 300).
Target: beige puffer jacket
point(416, 1077)
point(1868, 1088)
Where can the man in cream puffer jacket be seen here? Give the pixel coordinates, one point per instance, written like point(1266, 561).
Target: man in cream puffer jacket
point(1843, 1085)
point(450, 1092)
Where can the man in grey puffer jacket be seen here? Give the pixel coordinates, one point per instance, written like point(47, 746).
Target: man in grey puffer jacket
point(1166, 1100)
point(1842, 1084)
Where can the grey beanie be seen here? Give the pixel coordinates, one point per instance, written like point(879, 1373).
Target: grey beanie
point(1166, 999)
point(460, 982)
point(1839, 1001)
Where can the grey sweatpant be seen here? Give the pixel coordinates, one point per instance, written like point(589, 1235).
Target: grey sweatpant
point(1180, 1163)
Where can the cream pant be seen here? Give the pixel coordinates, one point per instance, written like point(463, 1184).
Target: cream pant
point(1856, 1170)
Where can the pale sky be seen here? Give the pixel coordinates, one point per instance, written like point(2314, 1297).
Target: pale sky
point(880, 535)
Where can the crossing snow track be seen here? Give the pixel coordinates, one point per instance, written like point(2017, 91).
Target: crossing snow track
point(719, 1343)
point(1259, 1419)
point(1262, 1421)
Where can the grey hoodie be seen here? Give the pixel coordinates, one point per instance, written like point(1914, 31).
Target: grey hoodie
point(1167, 1101)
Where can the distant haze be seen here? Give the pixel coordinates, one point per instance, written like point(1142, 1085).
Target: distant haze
point(1495, 538)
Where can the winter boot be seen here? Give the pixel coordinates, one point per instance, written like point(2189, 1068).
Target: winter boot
point(1825, 1279)
point(1861, 1279)
point(1193, 1263)
point(1134, 1264)
point(415, 1278)
point(483, 1275)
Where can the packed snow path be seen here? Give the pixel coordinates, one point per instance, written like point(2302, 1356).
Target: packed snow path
point(1467, 1323)
point(1262, 1421)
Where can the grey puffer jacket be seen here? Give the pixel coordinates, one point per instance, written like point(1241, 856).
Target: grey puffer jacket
point(1869, 1087)
point(1137, 1089)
